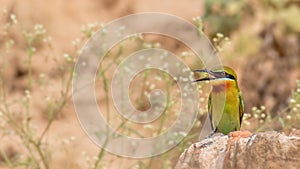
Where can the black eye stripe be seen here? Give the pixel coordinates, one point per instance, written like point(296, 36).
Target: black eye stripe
point(221, 74)
point(229, 76)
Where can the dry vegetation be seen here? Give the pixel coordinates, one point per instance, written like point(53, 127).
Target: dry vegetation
point(39, 45)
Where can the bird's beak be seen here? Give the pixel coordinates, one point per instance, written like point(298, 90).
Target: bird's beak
point(215, 75)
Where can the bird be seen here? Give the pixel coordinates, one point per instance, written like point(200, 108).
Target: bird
point(225, 102)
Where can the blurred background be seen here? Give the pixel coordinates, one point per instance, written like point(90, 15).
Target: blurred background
point(40, 41)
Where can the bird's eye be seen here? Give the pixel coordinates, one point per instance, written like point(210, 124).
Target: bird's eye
point(230, 76)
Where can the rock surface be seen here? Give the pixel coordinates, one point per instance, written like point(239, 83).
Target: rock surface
point(260, 151)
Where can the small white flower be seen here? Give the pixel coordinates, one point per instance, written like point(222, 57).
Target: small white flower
point(38, 26)
point(66, 141)
point(184, 54)
point(33, 49)
point(171, 142)
point(141, 57)
point(185, 70)
point(292, 100)
point(146, 94)
point(152, 86)
point(27, 92)
point(147, 45)
point(158, 78)
point(83, 153)
point(76, 42)
point(72, 138)
point(121, 28)
point(202, 99)
point(42, 75)
point(247, 123)
point(156, 45)
point(166, 65)
point(182, 133)
point(67, 57)
point(83, 64)
point(4, 10)
point(47, 39)
point(127, 69)
point(148, 126)
point(185, 79)
point(13, 18)
point(220, 35)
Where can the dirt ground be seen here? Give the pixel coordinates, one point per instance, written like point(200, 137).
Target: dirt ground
point(63, 20)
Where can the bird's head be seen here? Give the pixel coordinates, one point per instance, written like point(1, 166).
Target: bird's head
point(218, 76)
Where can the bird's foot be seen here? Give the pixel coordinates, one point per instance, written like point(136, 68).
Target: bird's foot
point(215, 134)
point(235, 135)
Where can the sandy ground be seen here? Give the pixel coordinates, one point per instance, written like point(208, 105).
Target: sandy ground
point(63, 20)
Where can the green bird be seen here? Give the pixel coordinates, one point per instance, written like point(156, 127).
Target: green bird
point(225, 103)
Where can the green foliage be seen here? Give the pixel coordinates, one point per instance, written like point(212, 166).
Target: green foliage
point(287, 119)
point(225, 15)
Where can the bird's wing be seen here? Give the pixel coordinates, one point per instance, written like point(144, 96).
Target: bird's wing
point(210, 112)
point(241, 107)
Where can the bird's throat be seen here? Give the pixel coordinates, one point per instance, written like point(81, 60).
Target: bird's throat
point(222, 86)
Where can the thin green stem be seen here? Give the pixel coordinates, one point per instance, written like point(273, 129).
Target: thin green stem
point(102, 152)
point(6, 158)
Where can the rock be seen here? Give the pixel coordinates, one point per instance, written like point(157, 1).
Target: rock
point(259, 151)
